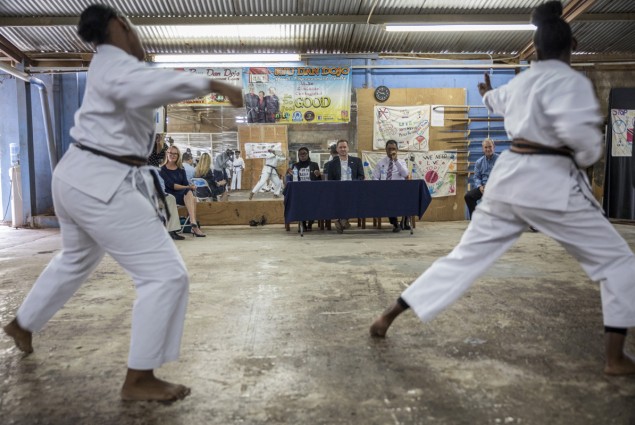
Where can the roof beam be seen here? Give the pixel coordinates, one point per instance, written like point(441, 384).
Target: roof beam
point(324, 19)
point(571, 11)
point(12, 52)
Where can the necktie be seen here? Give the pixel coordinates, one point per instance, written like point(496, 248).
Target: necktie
point(389, 173)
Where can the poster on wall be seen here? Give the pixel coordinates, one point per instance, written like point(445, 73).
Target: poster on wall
point(409, 126)
point(435, 167)
point(260, 150)
point(622, 123)
point(231, 76)
point(297, 95)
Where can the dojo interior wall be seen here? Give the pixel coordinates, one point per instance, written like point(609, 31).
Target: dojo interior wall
point(444, 208)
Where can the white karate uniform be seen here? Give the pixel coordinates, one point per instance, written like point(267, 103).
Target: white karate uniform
point(555, 106)
point(238, 165)
point(103, 206)
point(269, 172)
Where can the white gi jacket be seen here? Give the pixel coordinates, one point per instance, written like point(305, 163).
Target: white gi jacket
point(119, 82)
point(553, 105)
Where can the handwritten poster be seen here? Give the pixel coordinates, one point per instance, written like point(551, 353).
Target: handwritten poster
point(435, 167)
point(260, 150)
point(409, 126)
point(622, 129)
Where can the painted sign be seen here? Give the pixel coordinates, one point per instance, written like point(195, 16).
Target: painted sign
point(320, 94)
point(435, 167)
point(622, 123)
point(231, 76)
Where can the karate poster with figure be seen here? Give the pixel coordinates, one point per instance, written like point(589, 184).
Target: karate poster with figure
point(409, 126)
point(315, 94)
point(622, 123)
point(437, 168)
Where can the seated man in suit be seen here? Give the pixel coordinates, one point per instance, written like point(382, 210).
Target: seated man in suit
point(482, 168)
point(392, 168)
point(344, 167)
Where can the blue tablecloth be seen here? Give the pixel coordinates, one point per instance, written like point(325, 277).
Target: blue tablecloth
point(320, 200)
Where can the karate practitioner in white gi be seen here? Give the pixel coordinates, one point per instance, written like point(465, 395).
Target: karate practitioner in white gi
point(269, 171)
point(552, 116)
point(238, 165)
point(105, 205)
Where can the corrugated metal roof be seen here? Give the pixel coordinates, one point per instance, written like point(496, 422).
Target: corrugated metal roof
point(308, 26)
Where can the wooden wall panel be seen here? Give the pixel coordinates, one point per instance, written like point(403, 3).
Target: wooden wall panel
point(258, 133)
point(441, 209)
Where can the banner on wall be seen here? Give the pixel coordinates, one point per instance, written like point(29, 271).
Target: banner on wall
point(231, 76)
point(622, 123)
point(435, 167)
point(260, 150)
point(409, 126)
point(320, 94)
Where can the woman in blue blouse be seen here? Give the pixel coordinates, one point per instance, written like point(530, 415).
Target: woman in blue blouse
point(176, 184)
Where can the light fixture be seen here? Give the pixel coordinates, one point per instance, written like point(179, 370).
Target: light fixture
point(462, 27)
point(255, 58)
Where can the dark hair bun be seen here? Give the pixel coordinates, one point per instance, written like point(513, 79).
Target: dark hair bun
point(550, 11)
point(93, 23)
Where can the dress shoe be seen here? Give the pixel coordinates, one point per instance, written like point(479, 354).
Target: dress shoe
point(396, 229)
point(176, 236)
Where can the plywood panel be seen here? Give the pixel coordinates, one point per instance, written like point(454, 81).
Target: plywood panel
point(258, 133)
point(441, 209)
point(237, 212)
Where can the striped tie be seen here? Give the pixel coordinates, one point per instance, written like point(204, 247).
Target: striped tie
point(389, 173)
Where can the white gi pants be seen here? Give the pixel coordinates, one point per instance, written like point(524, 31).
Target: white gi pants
point(269, 173)
point(127, 228)
point(582, 230)
point(236, 180)
point(174, 224)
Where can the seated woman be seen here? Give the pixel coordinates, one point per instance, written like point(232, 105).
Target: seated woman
point(203, 170)
point(176, 184)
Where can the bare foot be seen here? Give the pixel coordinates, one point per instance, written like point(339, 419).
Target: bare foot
point(379, 327)
point(623, 366)
point(142, 385)
point(21, 337)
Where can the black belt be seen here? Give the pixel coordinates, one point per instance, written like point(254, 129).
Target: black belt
point(134, 161)
point(525, 147)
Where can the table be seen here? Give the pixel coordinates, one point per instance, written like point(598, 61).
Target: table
point(331, 199)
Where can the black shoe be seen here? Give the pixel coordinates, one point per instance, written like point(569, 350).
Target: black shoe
point(396, 229)
point(406, 227)
point(176, 236)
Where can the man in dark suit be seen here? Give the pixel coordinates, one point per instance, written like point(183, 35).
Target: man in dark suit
point(352, 166)
point(344, 167)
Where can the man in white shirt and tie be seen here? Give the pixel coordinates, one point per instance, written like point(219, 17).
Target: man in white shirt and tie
point(392, 168)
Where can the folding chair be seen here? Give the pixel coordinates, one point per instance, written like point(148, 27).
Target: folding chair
point(203, 192)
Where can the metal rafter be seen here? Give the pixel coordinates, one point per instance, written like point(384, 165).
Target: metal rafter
point(573, 10)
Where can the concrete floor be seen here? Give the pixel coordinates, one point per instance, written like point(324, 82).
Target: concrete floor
point(277, 333)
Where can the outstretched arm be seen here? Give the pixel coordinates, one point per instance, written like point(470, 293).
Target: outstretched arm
point(485, 86)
